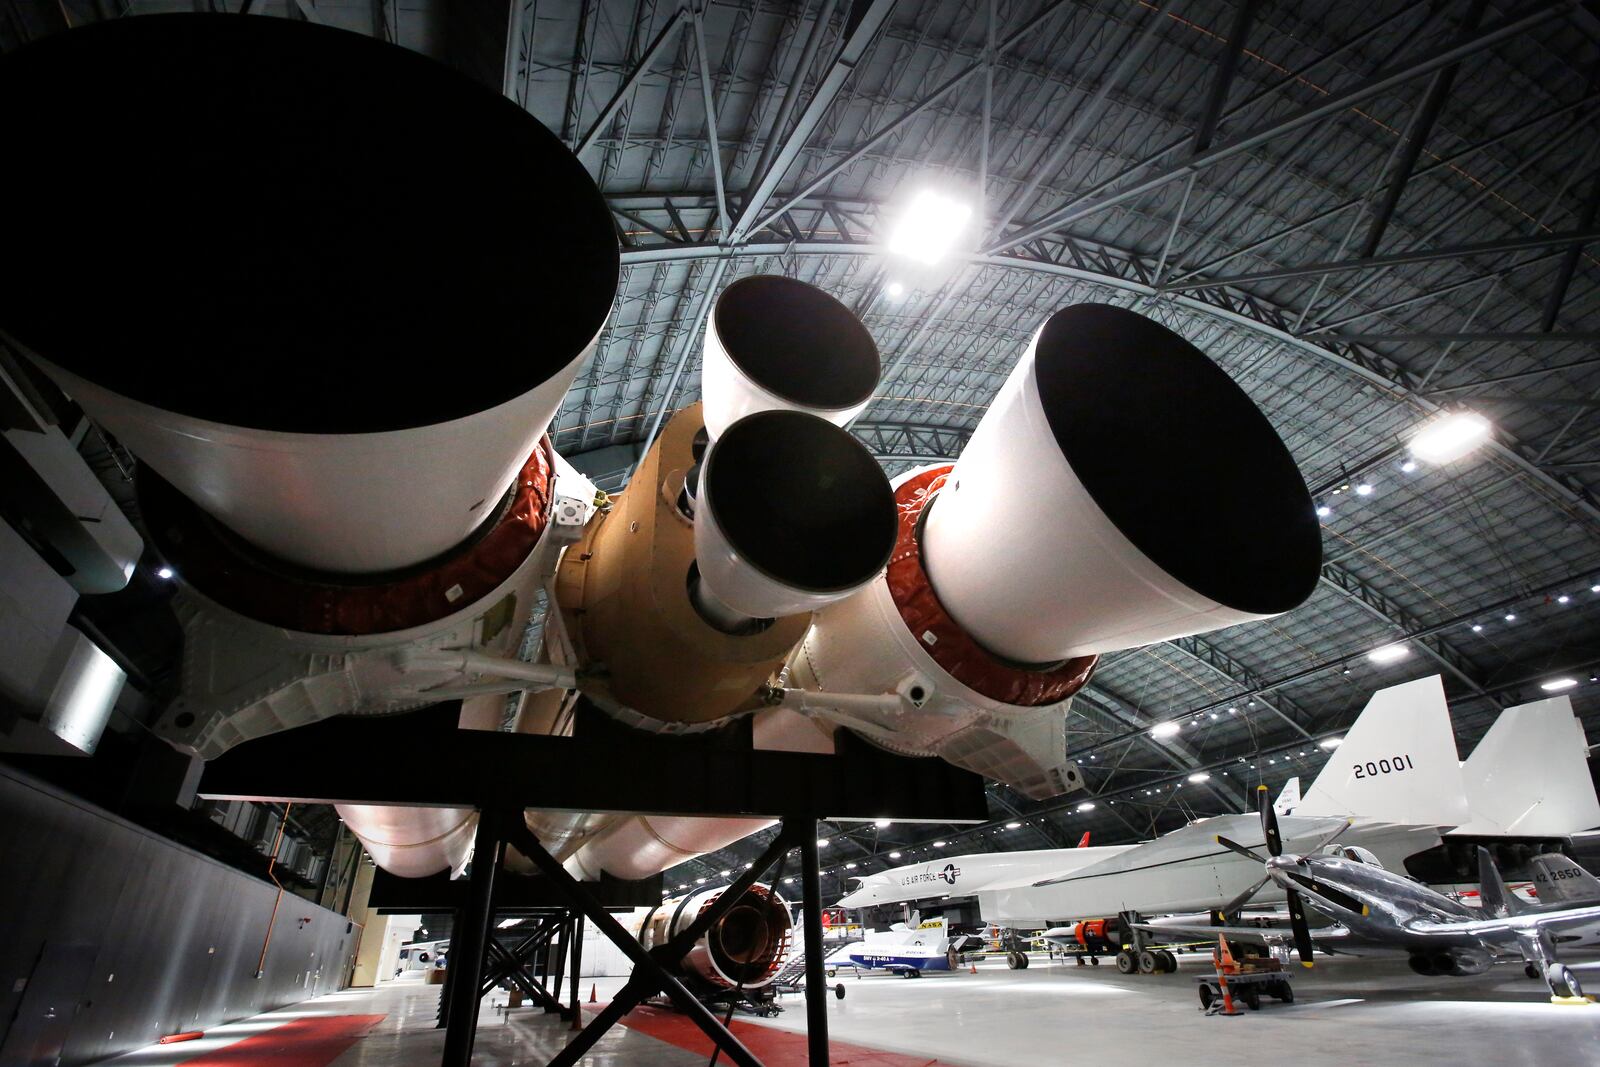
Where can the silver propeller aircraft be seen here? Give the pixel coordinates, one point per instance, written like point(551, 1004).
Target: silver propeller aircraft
point(1377, 912)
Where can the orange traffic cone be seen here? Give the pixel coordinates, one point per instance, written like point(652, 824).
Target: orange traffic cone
point(593, 989)
point(1225, 967)
point(974, 967)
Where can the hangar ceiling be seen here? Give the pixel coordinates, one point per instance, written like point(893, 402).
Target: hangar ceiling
point(1368, 213)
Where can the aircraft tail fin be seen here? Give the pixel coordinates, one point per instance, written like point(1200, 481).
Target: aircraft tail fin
point(1497, 900)
point(1559, 880)
point(1529, 776)
point(1397, 762)
point(1083, 842)
point(1289, 799)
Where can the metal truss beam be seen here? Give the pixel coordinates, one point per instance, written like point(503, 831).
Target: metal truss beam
point(1383, 608)
point(861, 29)
point(1334, 104)
point(1521, 337)
point(651, 53)
point(1209, 655)
point(1174, 749)
point(1570, 239)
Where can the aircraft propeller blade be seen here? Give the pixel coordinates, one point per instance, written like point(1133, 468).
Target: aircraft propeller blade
point(1234, 846)
point(1329, 893)
point(1302, 929)
point(1269, 822)
point(1241, 900)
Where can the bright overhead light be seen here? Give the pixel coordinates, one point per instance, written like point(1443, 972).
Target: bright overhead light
point(822, 842)
point(1323, 511)
point(1013, 826)
point(894, 855)
point(1477, 628)
point(1556, 685)
point(1233, 711)
point(1330, 743)
point(699, 881)
point(882, 824)
point(1087, 805)
point(938, 844)
point(1408, 466)
point(1199, 776)
point(1389, 654)
point(1594, 589)
point(929, 227)
point(1165, 729)
point(788, 880)
point(164, 573)
point(1449, 438)
point(1511, 616)
point(849, 866)
point(895, 290)
point(748, 866)
point(1364, 489)
point(1563, 598)
point(724, 874)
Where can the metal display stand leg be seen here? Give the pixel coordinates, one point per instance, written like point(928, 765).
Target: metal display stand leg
point(811, 918)
point(470, 943)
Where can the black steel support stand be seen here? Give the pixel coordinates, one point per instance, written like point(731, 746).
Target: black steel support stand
point(577, 968)
point(470, 941)
point(811, 921)
point(650, 974)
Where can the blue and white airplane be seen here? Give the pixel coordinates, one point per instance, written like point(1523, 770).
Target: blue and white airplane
point(906, 950)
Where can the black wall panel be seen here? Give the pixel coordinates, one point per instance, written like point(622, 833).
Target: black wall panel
point(175, 936)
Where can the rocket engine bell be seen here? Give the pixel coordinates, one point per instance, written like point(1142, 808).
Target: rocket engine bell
point(1120, 490)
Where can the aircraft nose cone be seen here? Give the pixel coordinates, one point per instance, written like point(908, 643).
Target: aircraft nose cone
point(1282, 863)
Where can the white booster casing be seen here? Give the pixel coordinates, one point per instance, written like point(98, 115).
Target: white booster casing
point(1121, 490)
point(337, 389)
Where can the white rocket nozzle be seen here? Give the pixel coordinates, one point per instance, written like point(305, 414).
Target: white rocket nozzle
point(1121, 490)
point(774, 343)
point(793, 514)
point(346, 382)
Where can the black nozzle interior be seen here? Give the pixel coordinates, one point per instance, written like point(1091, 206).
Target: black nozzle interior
point(801, 500)
point(797, 342)
point(1179, 458)
point(285, 226)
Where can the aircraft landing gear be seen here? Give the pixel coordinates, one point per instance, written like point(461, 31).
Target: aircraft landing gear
point(1017, 961)
point(1531, 971)
point(1127, 962)
point(1563, 983)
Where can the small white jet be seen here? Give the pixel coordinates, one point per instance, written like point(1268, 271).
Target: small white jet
point(907, 950)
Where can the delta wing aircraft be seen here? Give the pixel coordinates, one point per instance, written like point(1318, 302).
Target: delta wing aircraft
point(1396, 775)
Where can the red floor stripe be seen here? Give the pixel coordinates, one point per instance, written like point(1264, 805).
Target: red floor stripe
point(775, 1048)
point(313, 1042)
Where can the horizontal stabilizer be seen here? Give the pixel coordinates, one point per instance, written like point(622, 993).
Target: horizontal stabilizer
point(1529, 776)
point(1397, 763)
point(1559, 880)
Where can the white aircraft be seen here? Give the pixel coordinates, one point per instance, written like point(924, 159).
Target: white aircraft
point(1396, 779)
point(963, 876)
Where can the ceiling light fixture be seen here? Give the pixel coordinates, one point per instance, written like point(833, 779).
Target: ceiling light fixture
point(1165, 729)
point(1364, 489)
point(1556, 685)
point(1013, 826)
point(1389, 654)
point(1330, 743)
point(1199, 776)
point(1450, 437)
point(894, 290)
point(1087, 805)
point(894, 855)
point(882, 824)
point(929, 227)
